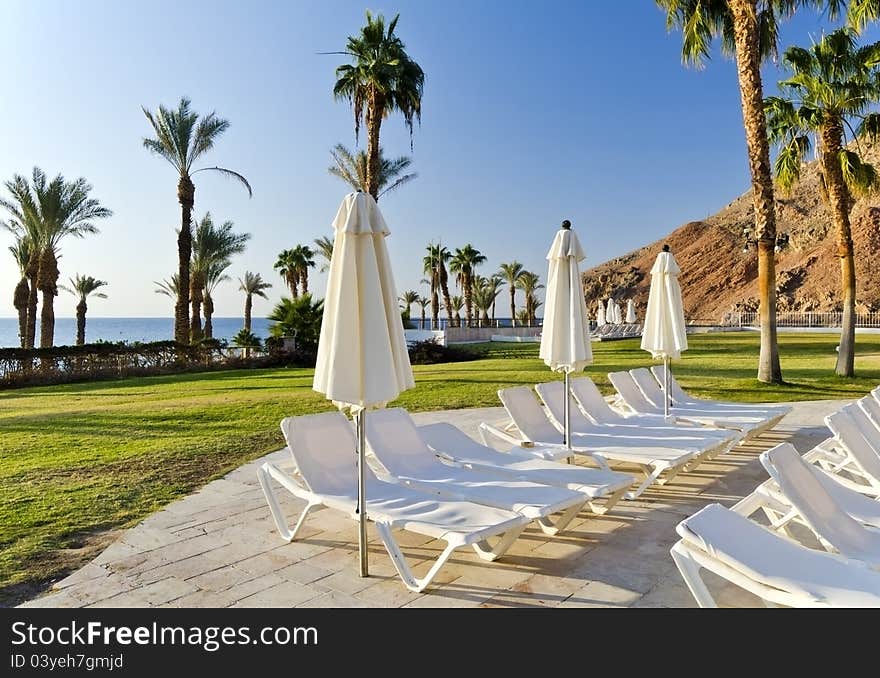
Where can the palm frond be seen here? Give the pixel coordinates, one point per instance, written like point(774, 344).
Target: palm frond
point(230, 174)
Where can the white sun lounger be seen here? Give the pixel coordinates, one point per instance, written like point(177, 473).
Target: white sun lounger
point(705, 442)
point(532, 426)
point(395, 442)
point(682, 398)
point(862, 460)
point(818, 508)
point(597, 485)
point(768, 565)
point(322, 447)
point(593, 404)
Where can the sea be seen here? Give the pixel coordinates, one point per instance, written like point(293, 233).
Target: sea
point(127, 329)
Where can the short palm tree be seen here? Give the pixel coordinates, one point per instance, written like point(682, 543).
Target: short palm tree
point(832, 84)
point(21, 252)
point(252, 284)
point(300, 318)
point(181, 138)
point(748, 30)
point(464, 263)
point(352, 169)
point(408, 298)
point(495, 283)
point(484, 295)
point(212, 250)
point(325, 249)
point(528, 282)
point(510, 273)
point(381, 79)
point(423, 302)
point(288, 268)
point(47, 212)
point(453, 311)
point(83, 287)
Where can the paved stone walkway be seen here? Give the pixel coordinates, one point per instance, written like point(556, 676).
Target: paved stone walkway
point(218, 548)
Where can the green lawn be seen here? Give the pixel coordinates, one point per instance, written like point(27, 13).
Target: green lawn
point(82, 458)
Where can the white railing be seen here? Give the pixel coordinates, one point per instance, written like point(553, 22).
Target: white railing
point(801, 319)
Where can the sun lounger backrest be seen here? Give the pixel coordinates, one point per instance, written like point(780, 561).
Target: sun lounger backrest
point(325, 451)
point(648, 386)
point(876, 393)
point(394, 439)
point(527, 415)
point(864, 424)
point(772, 560)
point(675, 390)
point(871, 409)
point(814, 502)
point(632, 396)
point(854, 442)
point(444, 437)
point(587, 394)
point(552, 394)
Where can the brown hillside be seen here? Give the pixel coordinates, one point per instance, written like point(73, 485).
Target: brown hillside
point(717, 277)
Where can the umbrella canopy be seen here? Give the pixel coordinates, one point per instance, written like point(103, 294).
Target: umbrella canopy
point(630, 312)
point(362, 358)
point(565, 335)
point(665, 334)
point(600, 315)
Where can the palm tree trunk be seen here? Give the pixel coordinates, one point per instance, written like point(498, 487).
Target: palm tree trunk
point(248, 308)
point(435, 309)
point(512, 305)
point(423, 317)
point(47, 281)
point(373, 122)
point(467, 285)
point(840, 201)
point(81, 309)
point(748, 65)
point(304, 281)
point(195, 300)
point(186, 192)
point(32, 313)
point(209, 316)
point(293, 284)
point(20, 301)
point(444, 287)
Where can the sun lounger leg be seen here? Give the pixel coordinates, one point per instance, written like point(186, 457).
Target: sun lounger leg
point(490, 553)
point(650, 477)
point(602, 509)
point(551, 528)
point(277, 514)
point(690, 572)
point(406, 575)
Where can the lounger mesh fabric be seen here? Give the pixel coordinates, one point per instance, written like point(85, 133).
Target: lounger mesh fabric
point(774, 561)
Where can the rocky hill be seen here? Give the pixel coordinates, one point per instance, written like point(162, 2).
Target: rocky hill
point(718, 277)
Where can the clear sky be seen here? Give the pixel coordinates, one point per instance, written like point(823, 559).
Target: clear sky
point(532, 113)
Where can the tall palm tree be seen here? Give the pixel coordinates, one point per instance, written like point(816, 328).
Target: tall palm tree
point(453, 311)
point(510, 273)
point(83, 287)
point(288, 268)
point(212, 250)
point(182, 137)
point(382, 79)
point(252, 284)
point(325, 249)
point(431, 268)
point(21, 252)
point(423, 302)
point(495, 283)
point(748, 30)
point(435, 266)
point(829, 91)
point(528, 282)
point(51, 211)
point(352, 169)
point(408, 298)
point(464, 263)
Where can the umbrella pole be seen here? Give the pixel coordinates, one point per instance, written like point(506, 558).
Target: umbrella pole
point(567, 415)
point(362, 495)
point(666, 387)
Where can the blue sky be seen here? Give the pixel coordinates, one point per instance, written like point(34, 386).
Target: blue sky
point(533, 113)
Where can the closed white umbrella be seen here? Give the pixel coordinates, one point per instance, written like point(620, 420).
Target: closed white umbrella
point(362, 359)
point(630, 312)
point(600, 315)
point(615, 312)
point(665, 333)
point(565, 336)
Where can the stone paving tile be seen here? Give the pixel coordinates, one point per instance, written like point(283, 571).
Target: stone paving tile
point(220, 578)
point(182, 569)
point(334, 599)
point(388, 593)
point(303, 573)
point(85, 573)
point(249, 587)
point(115, 552)
point(285, 594)
point(95, 590)
point(62, 599)
point(348, 582)
point(450, 596)
point(601, 594)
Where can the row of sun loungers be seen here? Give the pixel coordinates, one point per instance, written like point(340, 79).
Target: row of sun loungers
point(610, 332)
point(438, 482)
point(831, 492)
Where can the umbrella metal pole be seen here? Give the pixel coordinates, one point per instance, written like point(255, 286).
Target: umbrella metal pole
point(666, 387)
point(567, 415)
point(362, 494)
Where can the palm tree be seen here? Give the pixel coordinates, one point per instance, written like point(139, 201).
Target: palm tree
point(862, 12)
point(456, 303)
point(213, 248)
point(408, 298)
point(830, 88)
point(423, 302)
point(352, 169)
point(251, 284)
point(495, 283)
point(748, 30)
point(435, 266)
point(382, 79)
point(288, 268)
point(181, 138)
point(484, 295)
point(305, 259)
point(301, 318)
point(47, 212)
point(464, 263)
point(528, 283)
point(431, 268)
point(82, 287)
point(325, 249)
point(510, 274)
point(21, 252)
